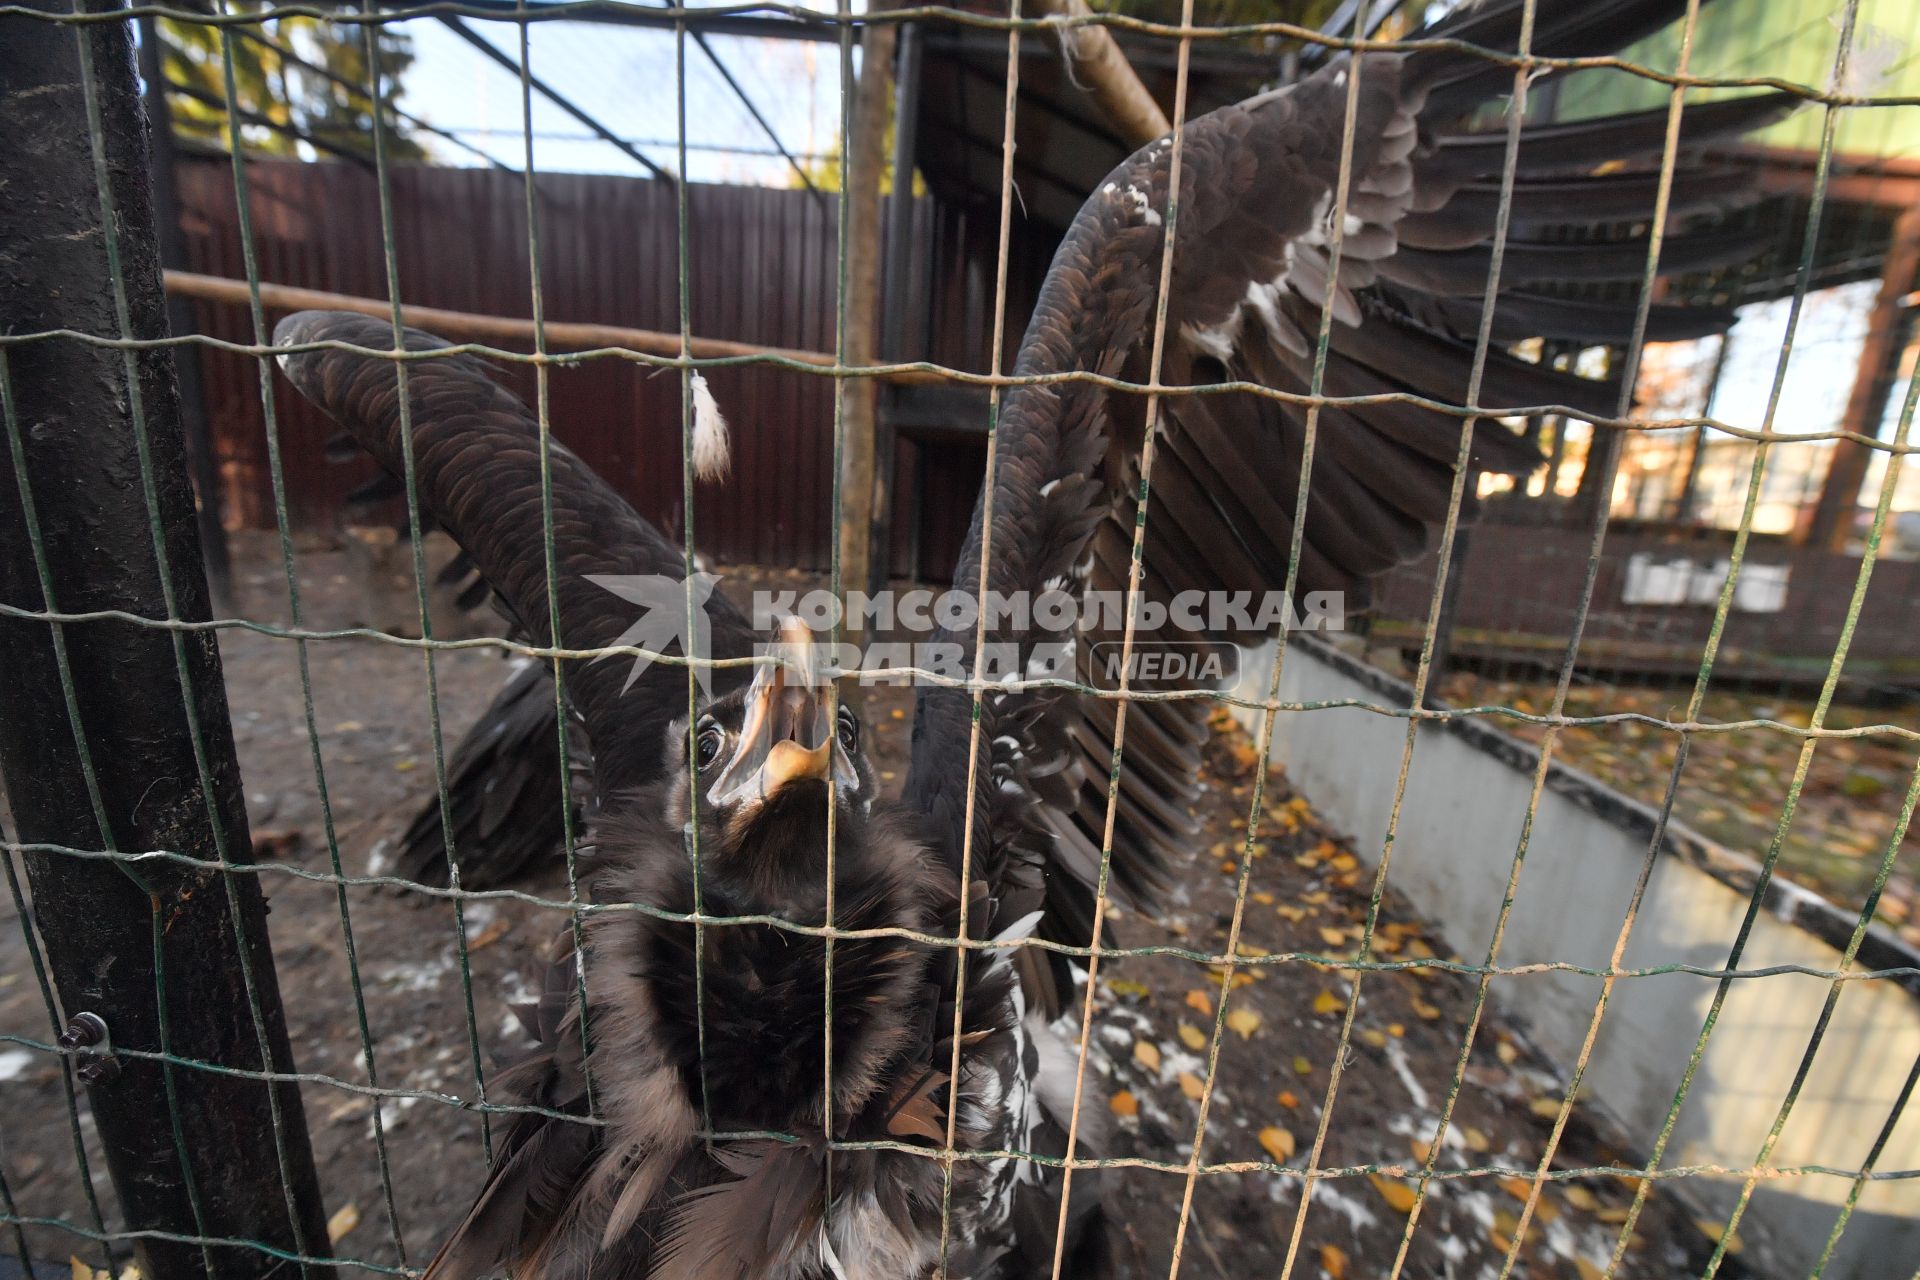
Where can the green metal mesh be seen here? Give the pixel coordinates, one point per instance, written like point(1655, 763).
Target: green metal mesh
point(1833, 100)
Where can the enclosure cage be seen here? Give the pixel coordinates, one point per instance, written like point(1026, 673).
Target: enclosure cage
point(1556, 916)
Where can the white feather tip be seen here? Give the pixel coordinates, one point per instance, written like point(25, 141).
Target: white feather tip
point(711, 454)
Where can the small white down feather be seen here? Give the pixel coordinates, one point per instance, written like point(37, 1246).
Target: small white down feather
point(712, 456)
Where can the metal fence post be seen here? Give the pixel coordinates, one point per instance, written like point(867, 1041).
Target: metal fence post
point(151, 950)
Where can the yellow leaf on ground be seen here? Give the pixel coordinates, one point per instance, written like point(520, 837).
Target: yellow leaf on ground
point(344, 1220)
point(1713, 1229)
point(1318, 898)
point(1506, 1052)
point(1398, 1195)
point(1327, 1002)
point(1373, 1039)
point(1332, 937)
point(1343, 862)
point(1518, 1188)
point(1333, 1261)
point(81, 1271)
point(1127, 987)
point(1301, 1067)
point(1147, 1054)
point(1581, 1198)
point(1287, 1098)
point(1191, 1085)
point(1476, 1140)
point(1278, 1143)
point(1586, 1269)
point(1426, 1011)
point(1124, 1103)
point(1192, 1037)
point(1545, 1108)
point(1228, 867)
point(1614, 1215)
point(1262, 897)
point(1421, 1150)
point(495, 930)
point(1245, 1021)
point(1295, 914)
point(1200, 1002)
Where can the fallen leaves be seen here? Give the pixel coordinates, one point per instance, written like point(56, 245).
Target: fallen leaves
point(1127, 987)
point(1278, 1143)
point(1327, 1002)
point(1192, 1037)
point(1192, 1086)
point(343, 1221)
point(1398, 1195)
point(1124, 1104)
point(1713, 1229)
point(1333, 1261)
point(1200, 1002)
point(1244, 1021)
point(495, 930)
point(1147, 1054)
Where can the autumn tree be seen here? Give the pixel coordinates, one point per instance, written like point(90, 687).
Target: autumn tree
point(291, 76)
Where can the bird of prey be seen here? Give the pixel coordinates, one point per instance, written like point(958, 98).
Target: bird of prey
point(664, 1049)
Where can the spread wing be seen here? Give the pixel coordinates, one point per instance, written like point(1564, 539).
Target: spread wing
point(1252, 271)
point(476, 457)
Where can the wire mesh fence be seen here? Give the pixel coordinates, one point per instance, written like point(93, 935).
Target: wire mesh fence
point(367, 126)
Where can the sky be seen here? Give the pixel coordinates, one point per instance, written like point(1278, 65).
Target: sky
point(625, 77)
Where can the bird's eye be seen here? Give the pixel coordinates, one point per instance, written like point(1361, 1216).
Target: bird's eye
point(706, 747)
point(849, 729)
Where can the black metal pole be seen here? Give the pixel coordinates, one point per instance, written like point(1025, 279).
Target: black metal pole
point(122, 940)
point(186, 361)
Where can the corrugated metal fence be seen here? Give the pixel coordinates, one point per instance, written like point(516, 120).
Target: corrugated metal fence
point(762, 270)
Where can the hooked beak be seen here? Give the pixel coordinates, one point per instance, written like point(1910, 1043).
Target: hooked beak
point(788, 732)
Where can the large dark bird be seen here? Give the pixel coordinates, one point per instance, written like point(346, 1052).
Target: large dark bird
point(640, 1195)
point(764, 765)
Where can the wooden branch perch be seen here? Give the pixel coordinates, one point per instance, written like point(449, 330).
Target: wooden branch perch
point(1100, 66)
point(469, 326)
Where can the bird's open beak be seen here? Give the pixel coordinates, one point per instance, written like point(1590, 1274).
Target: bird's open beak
point(788, 732)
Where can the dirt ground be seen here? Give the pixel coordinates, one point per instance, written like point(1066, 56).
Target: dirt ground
point(1307, 894)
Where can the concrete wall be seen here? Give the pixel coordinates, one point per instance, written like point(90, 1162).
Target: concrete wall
point(1460, 825)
